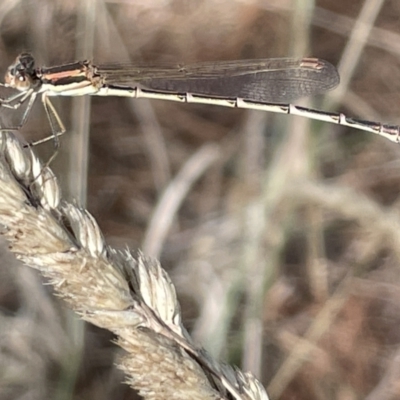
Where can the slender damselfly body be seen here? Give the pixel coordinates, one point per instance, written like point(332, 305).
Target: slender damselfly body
point(266, 84)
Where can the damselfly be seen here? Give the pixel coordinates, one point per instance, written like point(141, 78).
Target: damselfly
point(266, 84)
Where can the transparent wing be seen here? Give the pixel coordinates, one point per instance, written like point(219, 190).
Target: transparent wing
point(278, 80)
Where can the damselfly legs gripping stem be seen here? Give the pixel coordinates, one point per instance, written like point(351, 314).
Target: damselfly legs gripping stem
point(268, 85)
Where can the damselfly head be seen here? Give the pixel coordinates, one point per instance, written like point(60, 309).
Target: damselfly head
point(21, 74)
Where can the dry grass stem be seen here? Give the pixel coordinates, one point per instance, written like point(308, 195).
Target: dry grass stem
point(124, 292)
point(174, 194)
point(383, 223)
point(302, 350)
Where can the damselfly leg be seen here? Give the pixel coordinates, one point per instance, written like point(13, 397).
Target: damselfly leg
point(57, 127)
point(14, 102)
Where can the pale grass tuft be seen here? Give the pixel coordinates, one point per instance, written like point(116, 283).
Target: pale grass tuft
point(124, 292)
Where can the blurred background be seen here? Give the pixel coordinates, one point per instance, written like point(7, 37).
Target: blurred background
point(281, 235)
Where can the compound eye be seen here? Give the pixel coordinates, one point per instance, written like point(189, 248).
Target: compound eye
point(23, 82)
point(14, 78)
